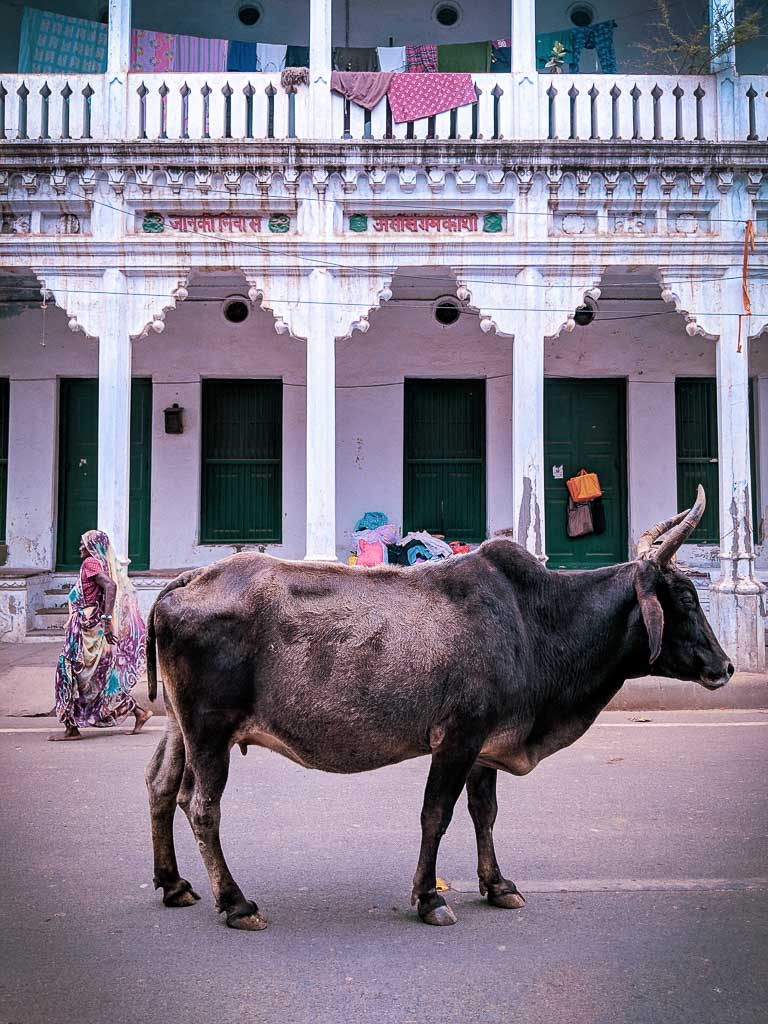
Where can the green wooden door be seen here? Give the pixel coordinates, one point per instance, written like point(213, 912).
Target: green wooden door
point(444, 477)
point(697, 452)
point(4, 402)
point(242, 462)
point(78, 469)
point(585, 428)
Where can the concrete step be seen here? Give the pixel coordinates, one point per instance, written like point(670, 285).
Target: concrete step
point(42, 636)
point(50, 618)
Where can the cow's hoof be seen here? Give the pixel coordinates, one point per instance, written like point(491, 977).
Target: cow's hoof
point(180, 895)
point(502, 894)
point(246, 918)
point(441, 916)
point(506, 900)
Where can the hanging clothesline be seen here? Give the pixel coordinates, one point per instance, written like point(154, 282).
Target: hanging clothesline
point(55, 43)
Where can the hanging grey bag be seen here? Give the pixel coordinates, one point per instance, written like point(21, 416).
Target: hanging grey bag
point(579, 518)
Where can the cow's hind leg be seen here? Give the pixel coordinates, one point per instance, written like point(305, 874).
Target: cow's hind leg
point(481, 796)
point(202, 788)
point(447, 775)
point(163, 776)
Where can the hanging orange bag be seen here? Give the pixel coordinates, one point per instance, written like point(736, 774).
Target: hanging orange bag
point(584, 486)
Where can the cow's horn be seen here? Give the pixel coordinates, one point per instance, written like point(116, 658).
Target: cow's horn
point(644, 546)
point(679, 534)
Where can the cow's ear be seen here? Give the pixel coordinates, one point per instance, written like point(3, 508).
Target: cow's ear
point(650, 607)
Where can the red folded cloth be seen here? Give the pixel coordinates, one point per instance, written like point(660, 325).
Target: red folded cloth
point(366, 88)
point(412, 96)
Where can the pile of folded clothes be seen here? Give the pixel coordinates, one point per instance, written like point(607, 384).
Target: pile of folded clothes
point(379, 543)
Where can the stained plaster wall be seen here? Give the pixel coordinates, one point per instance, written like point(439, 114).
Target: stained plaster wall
point(404, 340)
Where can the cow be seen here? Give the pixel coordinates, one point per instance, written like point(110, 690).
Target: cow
point(486, 661)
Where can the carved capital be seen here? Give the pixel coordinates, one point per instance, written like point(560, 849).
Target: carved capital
point(303, 299)
point(91, 298)
point(510, 297)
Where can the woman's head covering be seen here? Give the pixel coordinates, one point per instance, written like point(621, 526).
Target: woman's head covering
point(126, 615)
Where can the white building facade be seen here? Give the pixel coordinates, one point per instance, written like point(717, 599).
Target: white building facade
point(237, 312)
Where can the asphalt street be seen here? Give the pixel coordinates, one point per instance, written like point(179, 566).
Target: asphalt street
point(641, 850)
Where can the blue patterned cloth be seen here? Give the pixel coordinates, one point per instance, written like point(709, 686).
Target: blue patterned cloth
point(595, 37)
point(54, 44)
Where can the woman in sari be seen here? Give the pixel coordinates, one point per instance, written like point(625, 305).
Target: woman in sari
point(104, 650)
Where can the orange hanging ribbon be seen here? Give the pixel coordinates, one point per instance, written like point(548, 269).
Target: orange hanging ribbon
point(749, 246)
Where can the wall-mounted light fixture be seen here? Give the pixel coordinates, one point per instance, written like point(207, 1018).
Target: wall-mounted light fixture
point(174, 420)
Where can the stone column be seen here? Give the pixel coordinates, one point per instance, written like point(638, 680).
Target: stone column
point(320, 52)
point(722, 20)
point(114, 415)
point(118, 66)
point(737, 596)
point(528, 433)
point(321, 426)
point(525, 84)
point(530, 304)
point(523, 34)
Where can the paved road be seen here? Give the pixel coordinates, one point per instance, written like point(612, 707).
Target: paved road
point(642, 850)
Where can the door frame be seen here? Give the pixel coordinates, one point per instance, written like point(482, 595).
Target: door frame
point(622, 387)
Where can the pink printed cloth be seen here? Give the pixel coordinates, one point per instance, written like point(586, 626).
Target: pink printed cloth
point(195, 53)
point(152, 51)
point(412, 96)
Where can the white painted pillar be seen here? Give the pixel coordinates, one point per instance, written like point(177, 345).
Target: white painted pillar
point(736, 597)
point(523, 34)
point(321, 422)
point(114, 414)
point(722, 20)
point(320, 54)
point(118, 66)
point(528, 432)
point(525, 89)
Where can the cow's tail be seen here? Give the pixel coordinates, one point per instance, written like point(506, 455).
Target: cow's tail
point(180, 581)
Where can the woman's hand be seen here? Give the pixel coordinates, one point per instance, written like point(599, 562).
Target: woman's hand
point(109, 636)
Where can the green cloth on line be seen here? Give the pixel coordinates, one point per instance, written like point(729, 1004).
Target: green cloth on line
point(544, 44)
point(462, 57)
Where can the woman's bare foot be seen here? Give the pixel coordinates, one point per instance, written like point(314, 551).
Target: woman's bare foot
point(143, 715)
point(70, 733)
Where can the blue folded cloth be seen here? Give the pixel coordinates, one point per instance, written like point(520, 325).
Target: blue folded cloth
point(241, 56)
point(370, 521)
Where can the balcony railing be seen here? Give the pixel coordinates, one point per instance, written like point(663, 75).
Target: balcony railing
point(245, 106)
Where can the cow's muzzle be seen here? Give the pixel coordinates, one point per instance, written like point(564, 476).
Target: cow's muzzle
point(715, 682)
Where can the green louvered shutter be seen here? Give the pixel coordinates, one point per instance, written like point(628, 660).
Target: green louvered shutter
point(697, 451)
point(4, 401)
point(241, 466)
point(444, 473)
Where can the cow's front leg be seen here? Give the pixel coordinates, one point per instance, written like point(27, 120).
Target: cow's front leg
point(208, 769)
point(445, 782)
point(481, 797)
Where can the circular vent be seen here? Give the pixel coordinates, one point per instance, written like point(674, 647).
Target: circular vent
point(236, 310)
point(581, 15)
point(447, 15)
point(447, 311)
point(249, 15)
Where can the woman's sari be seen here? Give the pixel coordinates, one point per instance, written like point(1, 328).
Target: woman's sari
point(93, 678)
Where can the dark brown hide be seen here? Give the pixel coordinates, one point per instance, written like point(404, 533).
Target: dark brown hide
point(484, 661)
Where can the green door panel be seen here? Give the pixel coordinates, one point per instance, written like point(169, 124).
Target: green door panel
point(444, 455)
point(697, 451)
point(78, 469)
point(140, 487)
point(241, 487)
point(585, 428)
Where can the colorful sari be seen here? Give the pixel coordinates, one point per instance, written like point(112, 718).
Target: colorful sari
point(93, 678)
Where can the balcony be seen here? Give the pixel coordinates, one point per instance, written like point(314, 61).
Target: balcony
point(255, 107)
point(163, 106)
